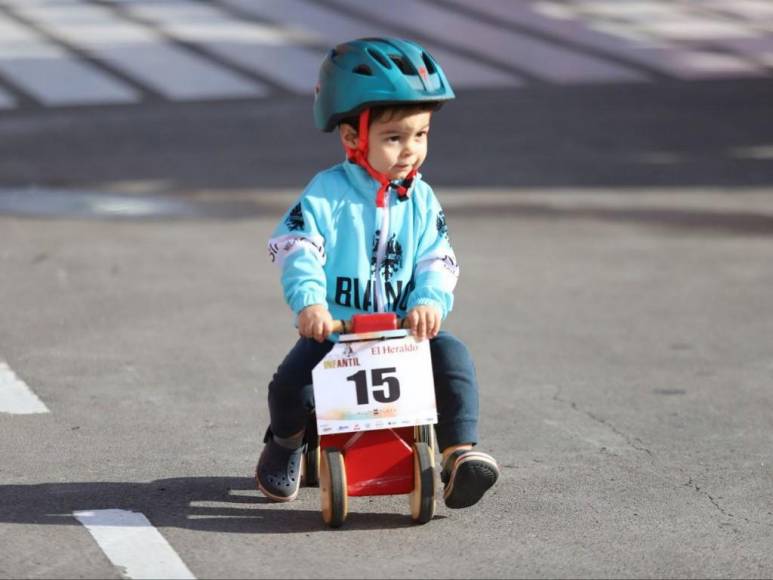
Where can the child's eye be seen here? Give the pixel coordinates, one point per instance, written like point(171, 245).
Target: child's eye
point(394, 139)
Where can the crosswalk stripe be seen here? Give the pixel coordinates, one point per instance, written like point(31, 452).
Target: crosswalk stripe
point(16, 397)
point(264, 49)
point(139, 52)
point(660, 35)
point(335, 28)
point(534, 56)
point(133, 545)
point(50, 74)
point(82, 52)
point(759, 50)
point(706, 64)
point(751, 10)
point(570, 31)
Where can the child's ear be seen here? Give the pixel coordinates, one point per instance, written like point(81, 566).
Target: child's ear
point(348, 135)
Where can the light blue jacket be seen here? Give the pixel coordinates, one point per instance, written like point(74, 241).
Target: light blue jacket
point(336, 248)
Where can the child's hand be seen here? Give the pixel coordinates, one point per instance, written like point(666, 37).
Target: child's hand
point(424, 321)
point(315, 322)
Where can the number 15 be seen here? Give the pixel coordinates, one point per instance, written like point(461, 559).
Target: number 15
point(388, 395)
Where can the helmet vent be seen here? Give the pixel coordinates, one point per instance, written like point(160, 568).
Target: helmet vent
point(379, 56)
point(428, 63)
point(404, 66)
point(364, 70)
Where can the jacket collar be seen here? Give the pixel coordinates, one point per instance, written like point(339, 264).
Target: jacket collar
point(365, 184)
point(361, 180)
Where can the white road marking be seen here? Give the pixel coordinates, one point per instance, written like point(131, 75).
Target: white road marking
point(706, 64)
point(758, 152)
point(140, 52)
point(280, 40)
point(335, 27)
point(538, 57)
point(632, 9)
point(752, 10)
point(690, 28)
point(52, 75)
point(669, 35)
point(132, 544)
point(560, 22)
point(266, 49)
point(15, 396)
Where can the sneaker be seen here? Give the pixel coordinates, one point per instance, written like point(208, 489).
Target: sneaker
point(467, 476)
point(278, 473)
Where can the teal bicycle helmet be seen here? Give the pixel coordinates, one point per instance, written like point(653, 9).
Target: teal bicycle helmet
point(375, 71)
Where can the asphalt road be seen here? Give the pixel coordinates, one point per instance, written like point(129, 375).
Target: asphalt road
point(668, 134)
point(625, 367)
point(616, 257)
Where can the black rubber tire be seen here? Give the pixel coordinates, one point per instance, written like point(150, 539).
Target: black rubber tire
point(423, 495)
point(311, 467)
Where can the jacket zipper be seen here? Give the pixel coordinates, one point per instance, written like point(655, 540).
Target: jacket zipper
point(381, 254)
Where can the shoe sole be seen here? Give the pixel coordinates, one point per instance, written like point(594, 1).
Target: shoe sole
point(281, 498)
point(471, 478)
point(277, 498)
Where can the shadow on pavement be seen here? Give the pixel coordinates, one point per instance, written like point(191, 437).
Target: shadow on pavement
point(56, 204)
point(744, 223)
point(170, 503)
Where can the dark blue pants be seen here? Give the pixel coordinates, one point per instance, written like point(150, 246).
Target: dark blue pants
point(291, 398)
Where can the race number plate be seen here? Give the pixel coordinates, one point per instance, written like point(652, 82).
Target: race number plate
point(378, 384)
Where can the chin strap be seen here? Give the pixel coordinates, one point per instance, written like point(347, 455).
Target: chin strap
point(360, 157)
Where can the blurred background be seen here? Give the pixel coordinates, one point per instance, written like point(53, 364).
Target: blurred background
point(186, 96)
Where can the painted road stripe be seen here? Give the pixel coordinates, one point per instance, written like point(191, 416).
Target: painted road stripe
point(15, 396)
point(541, 19)
point(537, 57)
point(139, 52)
point(51, 74)
point(133, 545)
point(267, 49)
point(334, 27)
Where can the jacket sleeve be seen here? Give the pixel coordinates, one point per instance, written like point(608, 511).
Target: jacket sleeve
point(436, 271)
point(298, 247)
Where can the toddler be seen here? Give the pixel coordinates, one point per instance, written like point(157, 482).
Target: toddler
point(368, 235)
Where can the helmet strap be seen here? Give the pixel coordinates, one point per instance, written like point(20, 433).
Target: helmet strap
point(360, 157)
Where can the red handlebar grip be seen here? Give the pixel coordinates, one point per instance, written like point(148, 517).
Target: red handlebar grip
point(374, 322)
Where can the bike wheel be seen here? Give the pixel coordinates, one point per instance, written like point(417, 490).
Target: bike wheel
point(332, 487)
point(422, 497)
point(311, 466)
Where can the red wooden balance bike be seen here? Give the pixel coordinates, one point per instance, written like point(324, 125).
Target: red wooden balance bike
point(374, 406)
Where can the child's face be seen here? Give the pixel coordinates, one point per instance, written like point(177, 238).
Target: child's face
point(397, 145)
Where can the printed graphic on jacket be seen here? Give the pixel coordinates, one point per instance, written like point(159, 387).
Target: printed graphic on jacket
point(281, 247)
point(442, 227)
point(354, 293)
point(393, 257)
point(374, 252)
point(295, 221)
point(449, 263)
